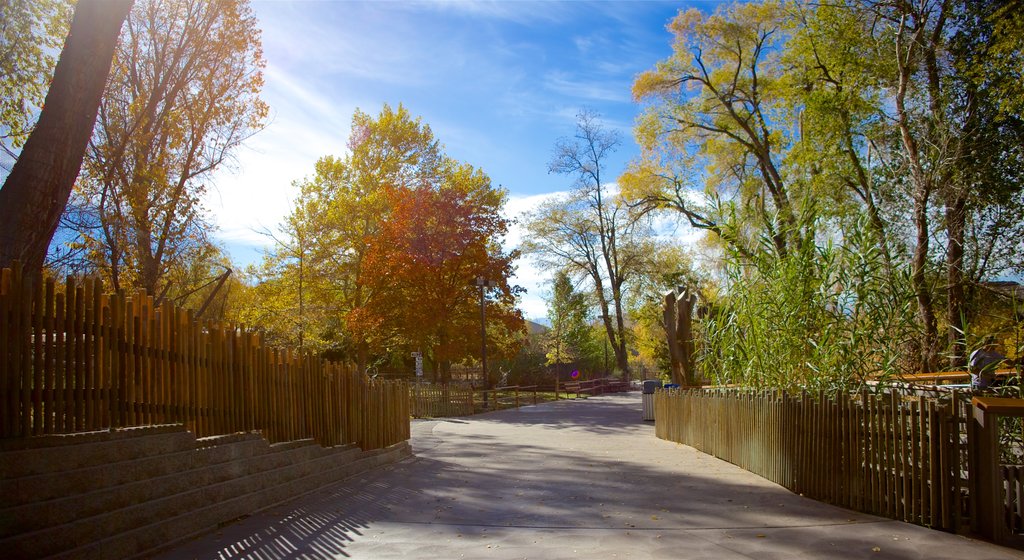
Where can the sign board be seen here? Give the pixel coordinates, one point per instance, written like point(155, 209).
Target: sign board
point(419, 363)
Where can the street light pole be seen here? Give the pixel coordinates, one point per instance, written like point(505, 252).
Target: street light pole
point(483, 284)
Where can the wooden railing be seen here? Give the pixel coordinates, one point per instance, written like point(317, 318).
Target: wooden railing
point(589, 387)
point(883, 454)
point(600, 386)
point(74, 359)
point(508, 397)
point(1013, 488)
point(956, 377)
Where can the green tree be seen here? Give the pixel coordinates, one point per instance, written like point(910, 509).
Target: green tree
point(718, 104)
point(569, 311)
point(800, 119)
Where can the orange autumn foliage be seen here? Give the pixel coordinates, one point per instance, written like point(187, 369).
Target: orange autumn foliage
point(422, 265)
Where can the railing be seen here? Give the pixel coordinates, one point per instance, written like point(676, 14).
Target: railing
point(508, 397)
point(589, 387)
point(74, 359)
point(1013, 488)
point(956, 377)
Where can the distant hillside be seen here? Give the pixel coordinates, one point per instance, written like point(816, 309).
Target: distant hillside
point(536, 328)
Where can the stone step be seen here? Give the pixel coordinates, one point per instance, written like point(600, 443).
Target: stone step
point(59, 454)
point(55, 485)
point(199, 473)
point(84, 532)
point(146, 541)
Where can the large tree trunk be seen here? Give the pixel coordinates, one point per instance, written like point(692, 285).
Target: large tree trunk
point(671, 320)
point(923, 188)
point(37, 190)
point(621, 353)
point(684, 336)
point(925, 308)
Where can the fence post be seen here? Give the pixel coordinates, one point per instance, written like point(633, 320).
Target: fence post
point(986, 482)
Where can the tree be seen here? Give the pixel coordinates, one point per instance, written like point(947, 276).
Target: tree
point(30, 32)
point(337, 216)
point(941, 132)
point(570, 315)
point(658, 341)
point(988, 174)
point(716, 103)
point(183, 96)
point(37, 190)
point(591, 232)
point(436, 240)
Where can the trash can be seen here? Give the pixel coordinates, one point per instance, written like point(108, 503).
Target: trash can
point(648, 397)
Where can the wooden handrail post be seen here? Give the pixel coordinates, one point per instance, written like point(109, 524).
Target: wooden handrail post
point(986, 483)
point(983, 453)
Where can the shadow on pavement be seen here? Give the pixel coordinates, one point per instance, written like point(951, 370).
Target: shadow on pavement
point(587, 471)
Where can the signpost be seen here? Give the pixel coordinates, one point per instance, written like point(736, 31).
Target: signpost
point(419, 363)
point(483, 284)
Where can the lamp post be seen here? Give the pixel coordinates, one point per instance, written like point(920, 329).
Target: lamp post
point(483, 284)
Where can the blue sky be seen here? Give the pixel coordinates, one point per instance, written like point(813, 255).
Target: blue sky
point(498, 82)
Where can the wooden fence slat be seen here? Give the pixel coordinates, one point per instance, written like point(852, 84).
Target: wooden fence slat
point(23, 359)
point(6, 363)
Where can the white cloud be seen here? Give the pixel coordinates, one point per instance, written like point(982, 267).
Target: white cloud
point(527, 275)
point(517, 12)
point(602, 90)
point(257, 193)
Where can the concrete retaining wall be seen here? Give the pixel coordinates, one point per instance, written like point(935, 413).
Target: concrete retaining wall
point(128, 493)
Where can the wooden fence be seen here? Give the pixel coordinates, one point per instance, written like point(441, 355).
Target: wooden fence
point(429, 400)
point(74, 359)
point(885, 454)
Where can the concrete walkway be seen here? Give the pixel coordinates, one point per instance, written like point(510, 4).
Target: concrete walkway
point(572, 479)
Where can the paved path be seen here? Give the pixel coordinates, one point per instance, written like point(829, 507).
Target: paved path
point(572, 479)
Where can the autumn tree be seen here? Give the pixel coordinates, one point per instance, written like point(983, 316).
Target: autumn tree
point(437, 239)
point(37, 190)
point(183, 95)
point(31, 31)
point(324, 241)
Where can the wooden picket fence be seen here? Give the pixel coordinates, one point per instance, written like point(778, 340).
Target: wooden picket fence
point(441, 400)
point(73, 359)
point(885, 454)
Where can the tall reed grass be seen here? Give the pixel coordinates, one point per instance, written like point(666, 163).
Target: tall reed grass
point(825, 316)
